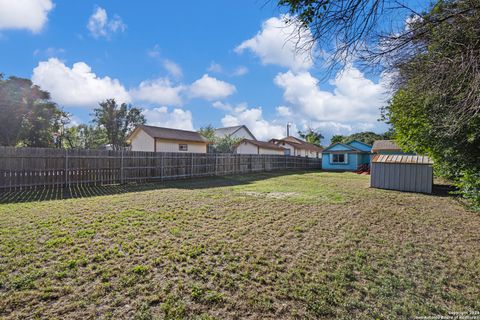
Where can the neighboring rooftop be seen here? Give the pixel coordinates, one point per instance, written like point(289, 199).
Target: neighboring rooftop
point(172, 134)
point(228, 131)
point(385, 145)
point(263, 144)
point(298, 143)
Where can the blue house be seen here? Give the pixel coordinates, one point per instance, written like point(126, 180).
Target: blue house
point(346, 157)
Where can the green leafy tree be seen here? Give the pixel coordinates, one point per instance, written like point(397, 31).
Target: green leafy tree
point(337, 139)
point(27, 115)
point(365, 137)
point(312, 136)
point(84, 137)
point(435, 110)
point(226, 144)
point(208, 132)
point(118, 121)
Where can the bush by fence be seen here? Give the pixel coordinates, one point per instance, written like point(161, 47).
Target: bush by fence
point(42, 167)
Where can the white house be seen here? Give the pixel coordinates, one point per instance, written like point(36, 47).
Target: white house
point(297, 147)
point(247, 146)
point(239, 132)
point(158, 139)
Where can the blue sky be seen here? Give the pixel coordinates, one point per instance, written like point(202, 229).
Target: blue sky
point(187, 63)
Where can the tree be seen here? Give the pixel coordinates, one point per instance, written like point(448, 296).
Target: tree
point(362, 29)
point(435, 110)
point(118, 121)
point(208, 132)
point(337, 139)
point(365, 137)
point(84, 137)
point(312, 136)
point(27, 114)
point(225, 144)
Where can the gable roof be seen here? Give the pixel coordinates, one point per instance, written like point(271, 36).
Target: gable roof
point(386, 145)
point(228, 131)
point(369, 147)
point(298, 143)
point(347, 146)
point(170, 134)
point(262, 144)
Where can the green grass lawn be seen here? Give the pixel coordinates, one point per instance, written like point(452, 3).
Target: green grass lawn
point(305, 245)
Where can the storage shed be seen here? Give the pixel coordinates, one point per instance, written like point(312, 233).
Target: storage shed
point(402, 172)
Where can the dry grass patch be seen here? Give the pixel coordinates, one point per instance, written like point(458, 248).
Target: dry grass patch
point(330, 247)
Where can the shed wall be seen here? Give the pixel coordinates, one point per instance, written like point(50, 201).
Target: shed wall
point(401, 176)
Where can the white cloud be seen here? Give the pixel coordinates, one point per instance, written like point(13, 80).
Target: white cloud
point(240, 71)
point(277, 42)
point(215, 67)
point(354, 97)
point(253, 119)
point(178, 118)
point(284, 111)
point(210, 88)
point(100, 26)
point(160, 91)
point(222, 106)
point(174, 69)
point(24, 14)
point(351, 105)
point(76, 86)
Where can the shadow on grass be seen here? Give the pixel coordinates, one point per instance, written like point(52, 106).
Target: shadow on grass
point(84, 191)
point(444, 190)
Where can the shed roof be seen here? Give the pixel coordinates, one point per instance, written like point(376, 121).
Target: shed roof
point(263, 144)
point(405, 159)
point(171, 134)
point(389, 145)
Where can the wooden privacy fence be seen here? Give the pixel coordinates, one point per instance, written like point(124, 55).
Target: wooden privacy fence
point(42, 167)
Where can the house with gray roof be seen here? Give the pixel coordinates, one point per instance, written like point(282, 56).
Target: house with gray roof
point(236, 132)
point(160, 139)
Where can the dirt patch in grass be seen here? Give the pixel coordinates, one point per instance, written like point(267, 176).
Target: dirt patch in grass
point(329, 247)
point(274, 195)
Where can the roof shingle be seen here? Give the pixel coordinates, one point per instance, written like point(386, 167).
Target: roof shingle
point(173, 134)
point(263, 144)
point(385, 145)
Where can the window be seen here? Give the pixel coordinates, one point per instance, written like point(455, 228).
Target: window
point(287, 152)
point(183, 147)
point(339, 158)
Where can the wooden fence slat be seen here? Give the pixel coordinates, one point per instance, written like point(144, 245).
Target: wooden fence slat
point(22, 168)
